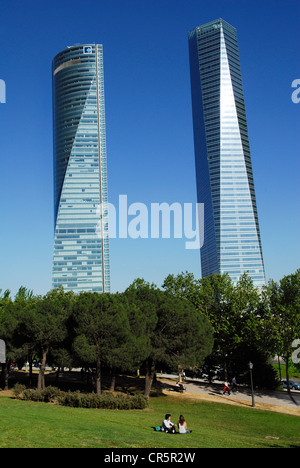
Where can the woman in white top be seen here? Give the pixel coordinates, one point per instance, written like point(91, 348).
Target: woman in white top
point(182, 426)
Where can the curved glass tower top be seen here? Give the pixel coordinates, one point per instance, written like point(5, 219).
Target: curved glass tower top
point(81, 246)
point(224, 174)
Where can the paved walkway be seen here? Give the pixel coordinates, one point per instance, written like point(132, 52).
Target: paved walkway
point(272, 401)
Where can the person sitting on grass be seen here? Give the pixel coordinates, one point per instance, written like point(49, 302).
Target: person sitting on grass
point(182, 426)
point(181, 388)
point(167, 425)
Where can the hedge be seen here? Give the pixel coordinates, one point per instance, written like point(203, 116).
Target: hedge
point(82, 400)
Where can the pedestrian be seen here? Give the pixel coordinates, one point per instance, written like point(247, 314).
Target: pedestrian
point(226, 389)
point(234, 384)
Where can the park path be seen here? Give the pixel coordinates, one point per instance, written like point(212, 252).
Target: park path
point(271, 401)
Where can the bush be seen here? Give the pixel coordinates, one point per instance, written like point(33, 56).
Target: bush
point(104, 401)
point(81, 400)
point(72, 399)
point(49, 394)
point(33, 395)
point(18, 390)
point(140, 402)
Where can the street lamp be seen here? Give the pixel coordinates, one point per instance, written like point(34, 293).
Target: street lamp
point(252, 389)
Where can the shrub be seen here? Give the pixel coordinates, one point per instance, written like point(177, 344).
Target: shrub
point(72, 399)
point(140, 402)
point(104, 401)
point(18, 390)
point(82, 400)
point(33, 395)
point(50, 394)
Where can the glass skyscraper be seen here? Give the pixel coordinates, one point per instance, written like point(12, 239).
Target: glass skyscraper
point(232, 242)
point(81, 244)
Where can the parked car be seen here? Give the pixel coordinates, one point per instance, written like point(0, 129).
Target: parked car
point(293, 385)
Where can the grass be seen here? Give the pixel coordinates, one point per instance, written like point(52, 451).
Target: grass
point(41, 425)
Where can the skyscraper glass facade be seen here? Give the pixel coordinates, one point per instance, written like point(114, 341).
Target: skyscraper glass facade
point(232, 242)
point(81, 244)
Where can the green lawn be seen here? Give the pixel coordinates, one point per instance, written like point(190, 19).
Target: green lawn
point(42, 425)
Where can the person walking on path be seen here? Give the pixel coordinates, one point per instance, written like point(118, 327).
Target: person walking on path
point(234, 384)
point(226, 389)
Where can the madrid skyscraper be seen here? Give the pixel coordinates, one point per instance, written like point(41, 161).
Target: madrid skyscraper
point(81, 245)
point(232, 241)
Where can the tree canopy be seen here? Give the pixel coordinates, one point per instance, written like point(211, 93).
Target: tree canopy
point(187, 323)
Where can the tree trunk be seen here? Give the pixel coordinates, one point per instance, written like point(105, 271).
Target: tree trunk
point(279, 367)
point(287, 375)
point(30, 371)
point(225, 369)
point(98, 377)
point(57, 374)
point(6, 376)
point(41, 379)
point(113, 382)
point(2, 375)
point(150, 371)
point(180, 374)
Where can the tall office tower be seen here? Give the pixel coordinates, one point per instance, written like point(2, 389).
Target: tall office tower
point(81, 245)
point(224, 175)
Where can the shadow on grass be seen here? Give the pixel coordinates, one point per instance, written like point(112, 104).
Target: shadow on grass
point(82, 381)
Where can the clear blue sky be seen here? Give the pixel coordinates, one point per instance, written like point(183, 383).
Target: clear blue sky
point(149, 124)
